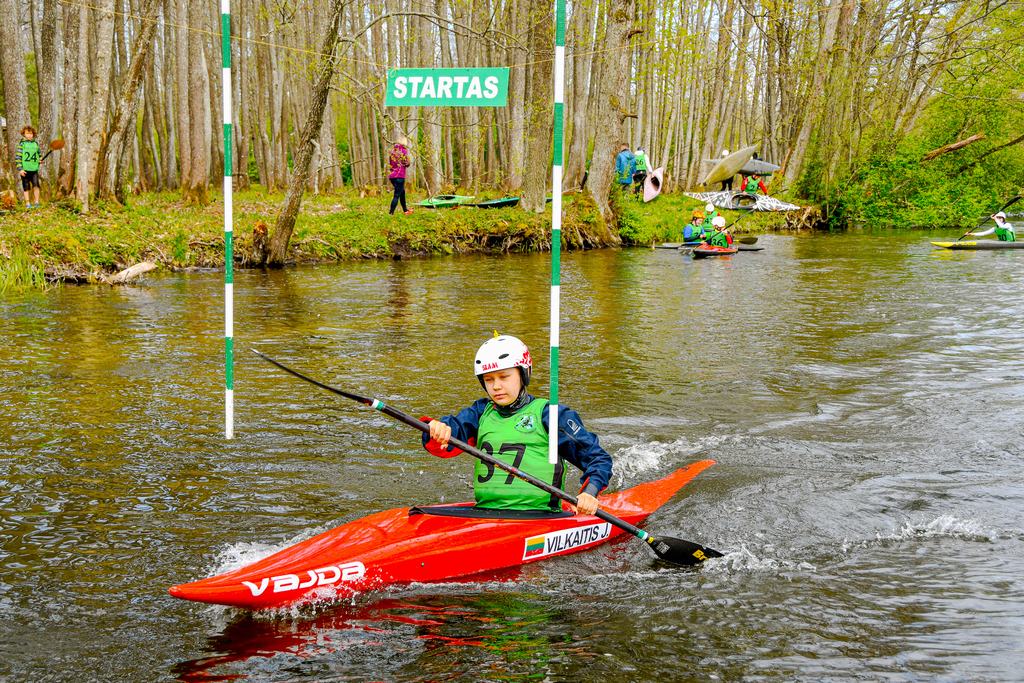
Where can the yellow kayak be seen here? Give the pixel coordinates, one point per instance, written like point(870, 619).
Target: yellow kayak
point(980, 244)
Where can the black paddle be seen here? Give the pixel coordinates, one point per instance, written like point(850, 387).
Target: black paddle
point(674, 550)
point(1003, 208)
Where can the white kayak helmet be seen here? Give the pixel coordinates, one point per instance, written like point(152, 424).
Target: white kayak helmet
point(501, 352)
point(710, 207)
point(718, 221)
point(1000, 216)
point(725, 153)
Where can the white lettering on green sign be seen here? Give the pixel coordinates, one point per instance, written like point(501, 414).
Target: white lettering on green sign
point(447, 88)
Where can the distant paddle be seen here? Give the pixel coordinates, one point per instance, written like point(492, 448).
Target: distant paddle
point(1003, 208)
point(674, 550)
point(750, 239)
point(54, 145)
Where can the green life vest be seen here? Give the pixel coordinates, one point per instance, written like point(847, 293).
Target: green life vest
point(719, 240)
point(1005, 235)
point(750, 185)
point(29, 155)
point(707, 225)
point(521, 441)
point(641, 161)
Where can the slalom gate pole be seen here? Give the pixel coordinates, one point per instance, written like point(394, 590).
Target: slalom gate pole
point(556, 223)
point(229, 276)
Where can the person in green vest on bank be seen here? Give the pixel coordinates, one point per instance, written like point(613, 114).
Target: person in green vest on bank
point(512, 426)
point(1004, 231)
point(26, 160)
point(640, 175)
point(752, 183)
point(720, 237)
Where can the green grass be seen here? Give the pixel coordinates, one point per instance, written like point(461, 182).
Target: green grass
point(20, 272)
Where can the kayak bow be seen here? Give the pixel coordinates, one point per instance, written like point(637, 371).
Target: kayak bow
point(425, 544)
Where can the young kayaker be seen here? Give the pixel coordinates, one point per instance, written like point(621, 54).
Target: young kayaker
point(1003, 230)
point(720, 238)
point(710, 213)
point(694, 232)
point(512, 426)
point(26, 162)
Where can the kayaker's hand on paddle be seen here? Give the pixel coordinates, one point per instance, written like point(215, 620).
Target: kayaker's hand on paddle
point(586, 504)
point(440, 432)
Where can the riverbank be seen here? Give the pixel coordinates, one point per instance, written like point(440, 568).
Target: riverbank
point(58, 243)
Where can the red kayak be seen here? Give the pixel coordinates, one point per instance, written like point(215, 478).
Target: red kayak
point(705, 250)
point(422, 544)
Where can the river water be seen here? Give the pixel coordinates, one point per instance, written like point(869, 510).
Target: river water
point(862, 395)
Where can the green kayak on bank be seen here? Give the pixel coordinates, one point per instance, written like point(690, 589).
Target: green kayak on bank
point(441, 201)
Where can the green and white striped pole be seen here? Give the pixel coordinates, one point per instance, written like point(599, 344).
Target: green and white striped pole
point(556, 224)
point(229, 276)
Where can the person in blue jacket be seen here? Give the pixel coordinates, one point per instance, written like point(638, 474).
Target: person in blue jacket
point(512, 426)
point(625, 167)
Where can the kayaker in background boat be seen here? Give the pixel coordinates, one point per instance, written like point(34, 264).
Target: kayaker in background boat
point(710, 213)
point(753, 183)
point(694, 232)
point(640, 175)
point(721, 236)
point(1003, 230)
point(512, 425)
point(625, 167)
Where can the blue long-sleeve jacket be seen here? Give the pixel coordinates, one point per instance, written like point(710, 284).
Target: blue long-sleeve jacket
point(625, 167)
point(575, 443)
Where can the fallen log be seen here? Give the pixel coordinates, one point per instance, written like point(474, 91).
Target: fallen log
point(129, 274)
point(952, 147)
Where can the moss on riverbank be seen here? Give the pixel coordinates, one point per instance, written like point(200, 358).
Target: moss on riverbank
point(159, 227)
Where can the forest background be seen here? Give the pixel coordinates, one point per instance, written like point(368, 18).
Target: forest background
point(849, 96)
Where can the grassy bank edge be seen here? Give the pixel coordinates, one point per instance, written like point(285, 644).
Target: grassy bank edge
point(68, 246)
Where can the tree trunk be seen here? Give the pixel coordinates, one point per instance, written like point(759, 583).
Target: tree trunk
point(613, 83)
point(538, 144)
point(285, 223)
point(12, 61)
point(126, 112)
point(194, 185)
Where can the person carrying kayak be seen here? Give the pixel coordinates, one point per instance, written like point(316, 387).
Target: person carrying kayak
point(512, 426)
point(752, 183)
point(694, 232)
point(640, 175)
point(1004, 231)
point(720, 237)
point(625, 167)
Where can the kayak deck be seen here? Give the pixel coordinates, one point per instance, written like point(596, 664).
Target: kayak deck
point(404, 545)
point(706, 251)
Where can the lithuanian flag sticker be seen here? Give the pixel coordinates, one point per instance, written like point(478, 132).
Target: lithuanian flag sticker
point(534, 546)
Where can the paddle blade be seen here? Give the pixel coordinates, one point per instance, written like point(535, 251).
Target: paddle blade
point(747, 239)
point(680, 552)
point(57, 144)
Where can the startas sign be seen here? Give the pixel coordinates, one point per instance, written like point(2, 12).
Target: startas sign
point(447, 87)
